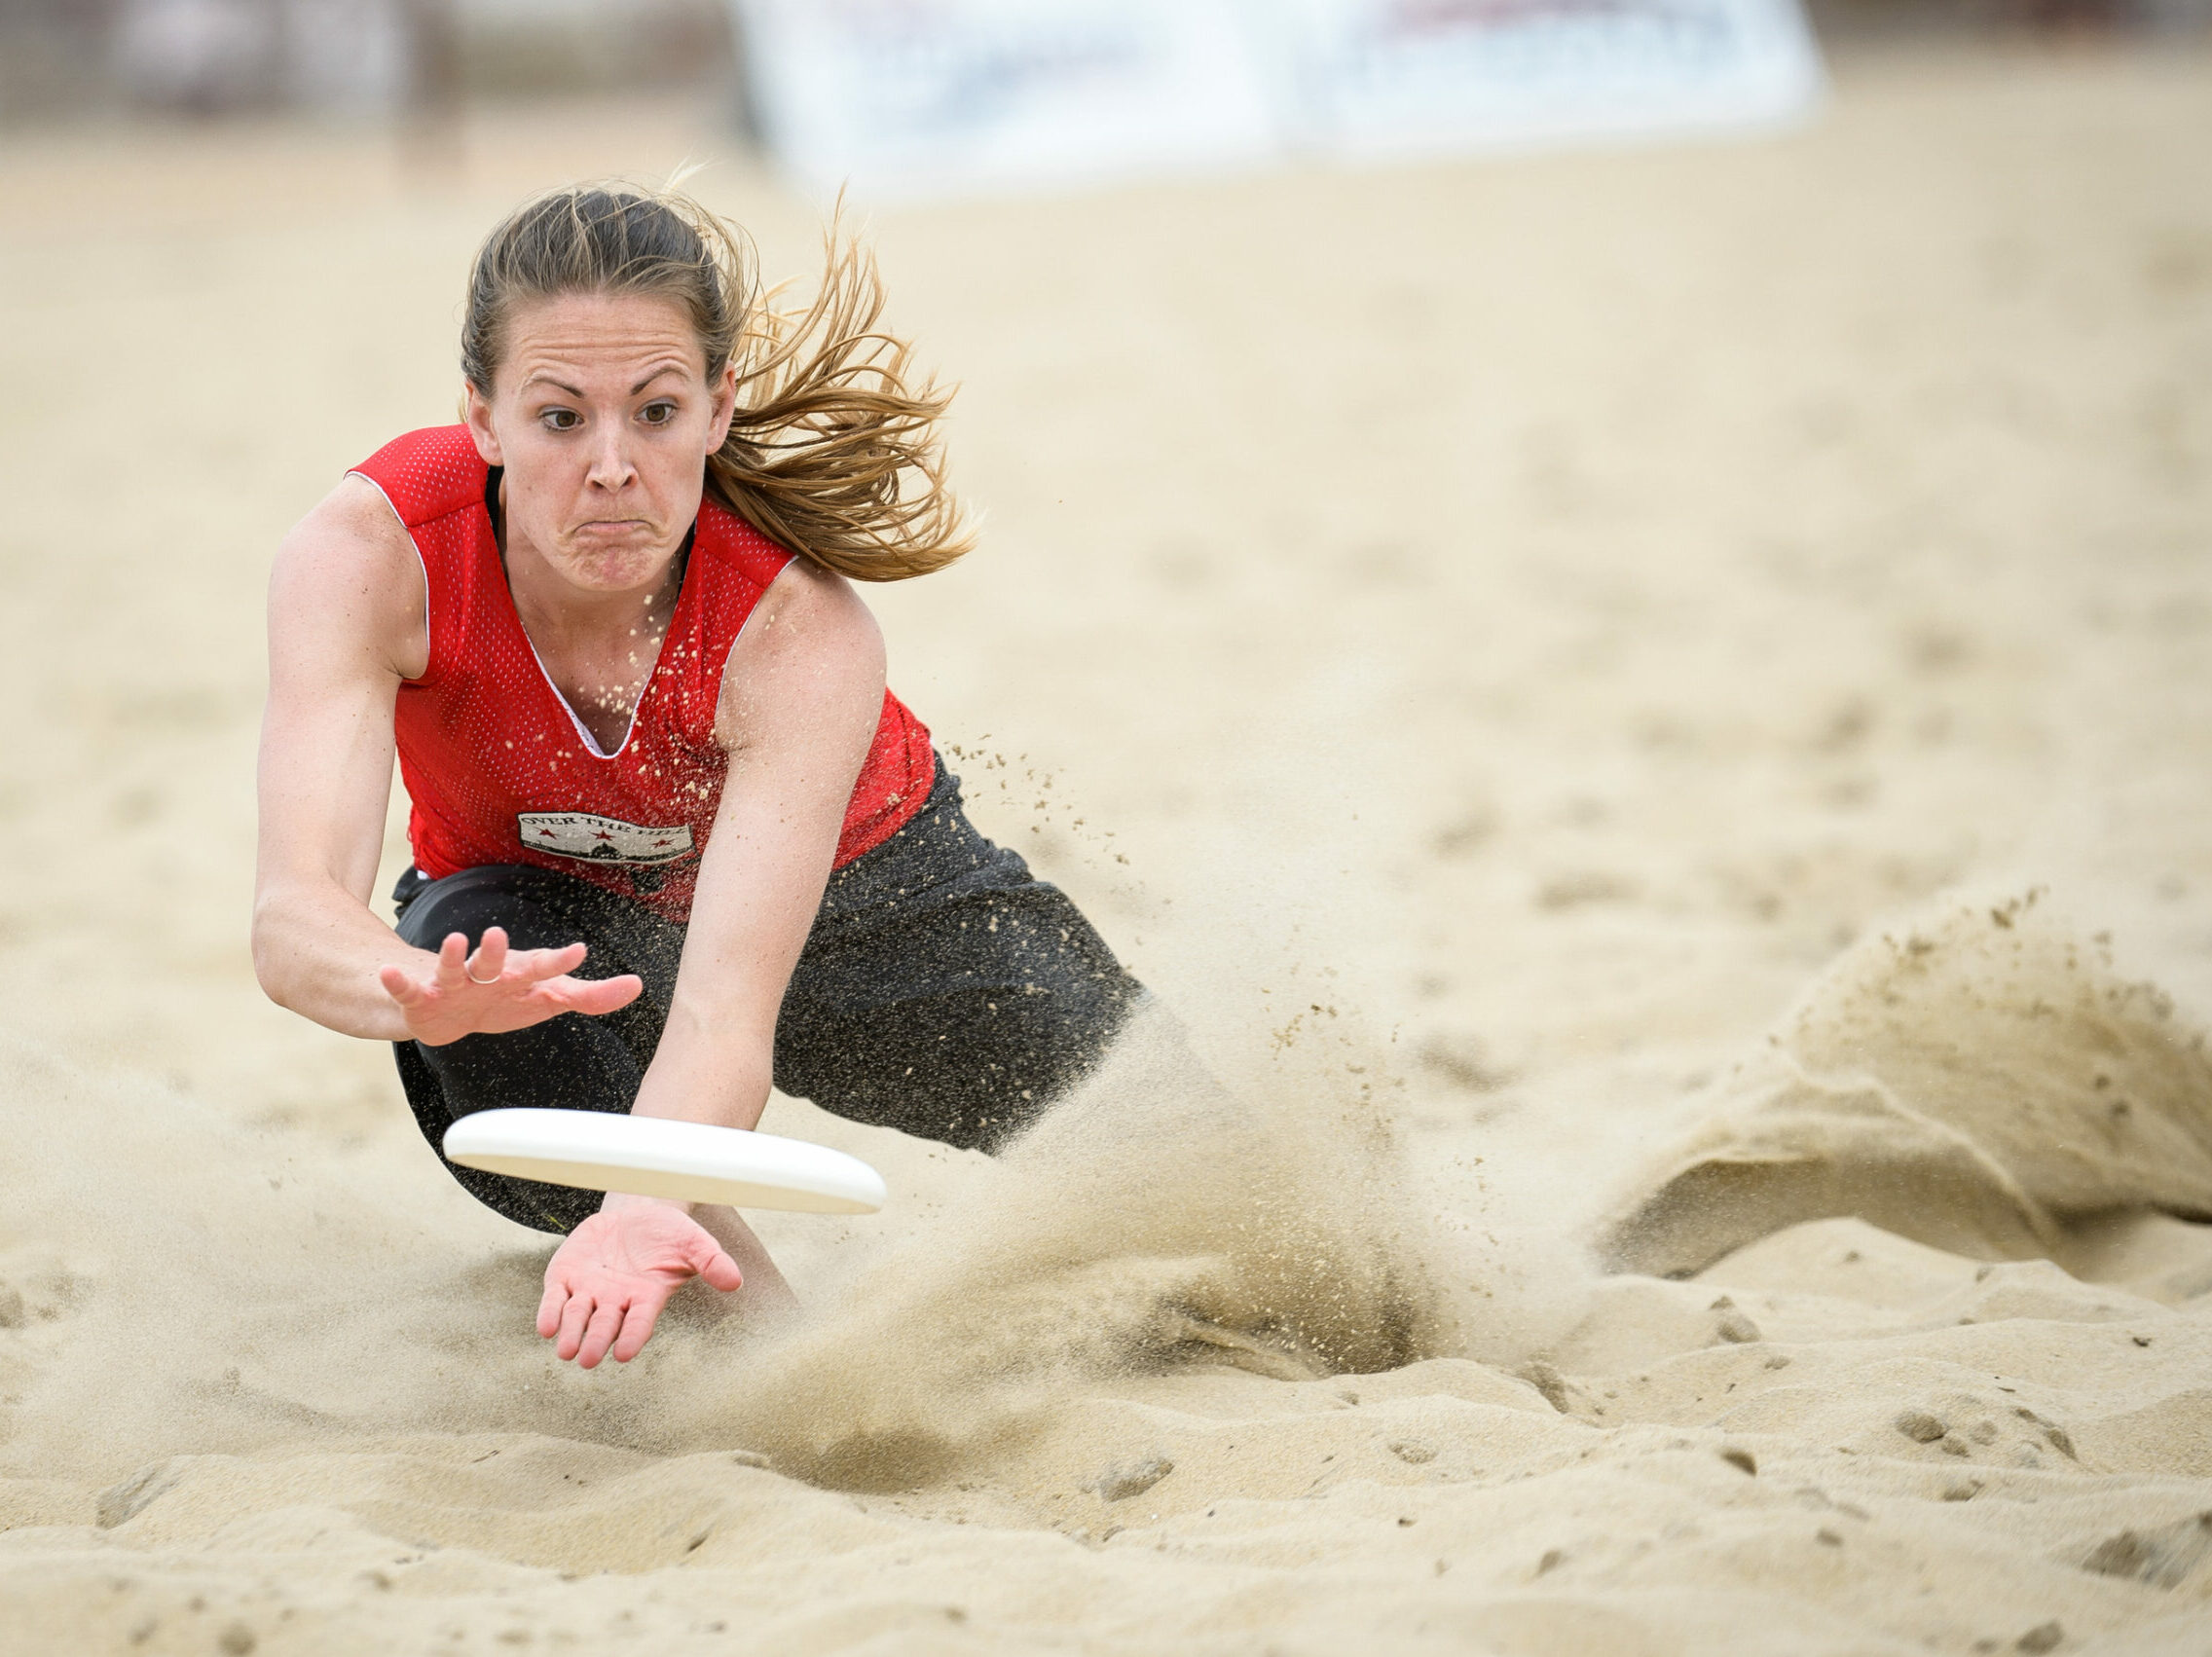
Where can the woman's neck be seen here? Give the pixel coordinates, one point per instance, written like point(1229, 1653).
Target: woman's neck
point(556, 611)
point(598, 647)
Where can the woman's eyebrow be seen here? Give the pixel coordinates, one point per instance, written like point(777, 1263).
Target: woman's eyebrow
point(574, 392)
point(664, 368)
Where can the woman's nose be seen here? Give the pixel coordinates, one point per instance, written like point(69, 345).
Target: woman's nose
point(610, 465)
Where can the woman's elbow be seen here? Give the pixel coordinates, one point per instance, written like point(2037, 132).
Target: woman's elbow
point(272, 961)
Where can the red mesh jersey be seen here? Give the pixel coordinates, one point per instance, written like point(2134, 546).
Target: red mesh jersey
point(497, 768)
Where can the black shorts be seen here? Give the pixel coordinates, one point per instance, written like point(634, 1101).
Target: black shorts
point(945, 991)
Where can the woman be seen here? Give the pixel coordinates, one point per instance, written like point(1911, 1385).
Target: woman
point(640, 710)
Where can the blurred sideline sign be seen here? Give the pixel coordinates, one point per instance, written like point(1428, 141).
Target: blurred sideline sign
point(938, 98)
point(1378, 77)
point(974, 97)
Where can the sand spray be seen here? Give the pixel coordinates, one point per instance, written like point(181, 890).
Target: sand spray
point(178, 1283)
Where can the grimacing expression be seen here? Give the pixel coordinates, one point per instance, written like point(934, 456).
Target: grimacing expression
point(602, 414)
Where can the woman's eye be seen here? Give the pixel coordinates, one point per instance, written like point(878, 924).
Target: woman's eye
point(561, 420)
point(657, 414)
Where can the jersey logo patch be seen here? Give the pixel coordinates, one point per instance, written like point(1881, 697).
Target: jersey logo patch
point(600, 839)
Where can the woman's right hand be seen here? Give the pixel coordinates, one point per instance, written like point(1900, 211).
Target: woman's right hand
point(498, 989)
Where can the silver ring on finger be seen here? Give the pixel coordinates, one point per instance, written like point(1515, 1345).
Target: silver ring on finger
point(474, 979)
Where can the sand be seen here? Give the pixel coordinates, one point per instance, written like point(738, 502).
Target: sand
point(1647, 712)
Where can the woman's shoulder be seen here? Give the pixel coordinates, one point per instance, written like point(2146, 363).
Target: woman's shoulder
point(427, 474)
point(347, 579)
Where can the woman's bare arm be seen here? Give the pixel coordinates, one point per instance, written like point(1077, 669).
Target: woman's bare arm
point(346, 625)
point(802, 699)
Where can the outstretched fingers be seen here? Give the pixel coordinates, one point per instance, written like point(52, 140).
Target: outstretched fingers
point(605, 1324)
point(453, 959)
point(401, 988)
point(552, 1306)
point(711, 1261)
point(576, 1314)
point(538, 964)
point(606, 1286)
point(593, 995)
point(637, 1327)
point(491, 957)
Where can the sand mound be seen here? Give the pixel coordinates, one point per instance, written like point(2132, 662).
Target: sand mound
point(1980, 1078)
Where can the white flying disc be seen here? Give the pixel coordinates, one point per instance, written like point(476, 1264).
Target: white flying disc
point(654, 1156)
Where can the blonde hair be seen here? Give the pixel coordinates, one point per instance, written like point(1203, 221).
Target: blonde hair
point(835, 451)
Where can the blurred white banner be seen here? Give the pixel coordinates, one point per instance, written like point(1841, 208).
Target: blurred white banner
point(1396, 77)
point(934, 97)
point(972, 96)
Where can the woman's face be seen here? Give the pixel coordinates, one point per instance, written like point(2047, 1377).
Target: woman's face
point(603, 415)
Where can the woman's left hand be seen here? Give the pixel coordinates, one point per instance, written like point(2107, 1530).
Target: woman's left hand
point(606, 1286)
